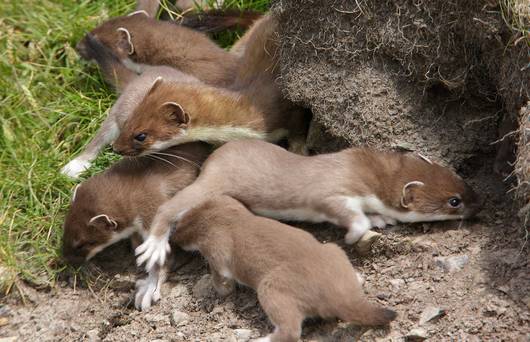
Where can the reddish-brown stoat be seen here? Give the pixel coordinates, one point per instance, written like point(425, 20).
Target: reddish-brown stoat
point(341, 188)
point(120, 203)
point(295, 276)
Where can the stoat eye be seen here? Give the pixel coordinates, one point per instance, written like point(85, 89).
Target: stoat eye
point(455, 202)
point(140, 137)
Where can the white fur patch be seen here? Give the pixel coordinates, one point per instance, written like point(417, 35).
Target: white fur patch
point(148, 290)
point(75, 167)
point(137, 227)
point(135, 67)
point(300, 214)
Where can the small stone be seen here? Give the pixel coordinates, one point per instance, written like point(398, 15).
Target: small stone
point(204, 287)
point(417, 334)
point(178, 291)
point(397, 283)
point(156, 318)
point(3, 321)
point(242, 335)
point(430, 313)
point(452, 264)
point(364, 245)
point(179, 318)
point(92, 335)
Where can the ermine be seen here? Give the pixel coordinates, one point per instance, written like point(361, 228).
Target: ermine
point(132, 87)
point(172, 113)
point(138, 40)
point(295, 276)
point(355, 189)
point(121, 202)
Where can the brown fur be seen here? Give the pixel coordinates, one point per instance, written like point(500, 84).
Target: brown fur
point(130, 188)
point(268, 179)
point(294, 275)
point(165, 43)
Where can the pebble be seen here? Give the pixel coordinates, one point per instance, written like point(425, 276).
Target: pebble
point(397, 283)
point(364, 245)
point(93, 335)
point(156, 318)
point(242, 335)
point(204, 287)
point(417, 334)
point(430, 313)
point(452, 264)
point(3, 321)
point(178, 290)
point(179, 318)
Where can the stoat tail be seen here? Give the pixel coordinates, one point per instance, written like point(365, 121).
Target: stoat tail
point(213, 21)
point(114, 71)
point(364, 312)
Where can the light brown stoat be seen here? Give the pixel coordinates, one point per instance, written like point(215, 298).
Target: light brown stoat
point(120, 203)
point(295, 276)
point(139, 40)
point(341, 188)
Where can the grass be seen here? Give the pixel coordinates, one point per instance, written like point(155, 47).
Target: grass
point(51, 103)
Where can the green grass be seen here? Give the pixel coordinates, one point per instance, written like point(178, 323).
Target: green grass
point(50, 105)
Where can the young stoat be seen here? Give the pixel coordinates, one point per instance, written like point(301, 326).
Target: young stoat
point(173, 113)
point(139, 39)
point(341, 188)
point(122, 201)
point(132, 87)
point(294, 275)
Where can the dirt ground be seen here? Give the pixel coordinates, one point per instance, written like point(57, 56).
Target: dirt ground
point(488, 298)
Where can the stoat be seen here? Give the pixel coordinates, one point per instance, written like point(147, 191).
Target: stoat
point(355, 189)
point(138, 40)
point(295, 276)
point(120, 203)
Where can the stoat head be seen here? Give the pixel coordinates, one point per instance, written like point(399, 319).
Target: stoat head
point(121, 35)
point(157, 123)
point(434, 192)
point(89, 226)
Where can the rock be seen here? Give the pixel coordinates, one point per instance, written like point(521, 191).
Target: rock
point(204, 287)
point(156, 318)
point(3, 321)
point(92, 335)
point(397, 283)
point(179, 318)
point(430, 313)
point(417, 334)
point(178, 291)
point(452, 264)
point(242, 335)
point(364, 245)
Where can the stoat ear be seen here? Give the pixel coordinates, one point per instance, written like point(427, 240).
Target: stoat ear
point(125, 40)
point(75, 191)
point(103, 221)
point(407, 194)
point(157, 82)
point(177, 113)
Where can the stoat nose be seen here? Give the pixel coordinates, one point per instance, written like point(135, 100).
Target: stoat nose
point(117, 150)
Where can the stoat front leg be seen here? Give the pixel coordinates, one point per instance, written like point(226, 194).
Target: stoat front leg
point(148, 289)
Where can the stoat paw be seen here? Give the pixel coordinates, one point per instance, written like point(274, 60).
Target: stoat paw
point(147, 293)
point(75, 167)
point(153, 251)
point(377, 221)
point(360, 225)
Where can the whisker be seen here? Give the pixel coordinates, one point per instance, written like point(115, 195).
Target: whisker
point(178, 157)
point(162, 159)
